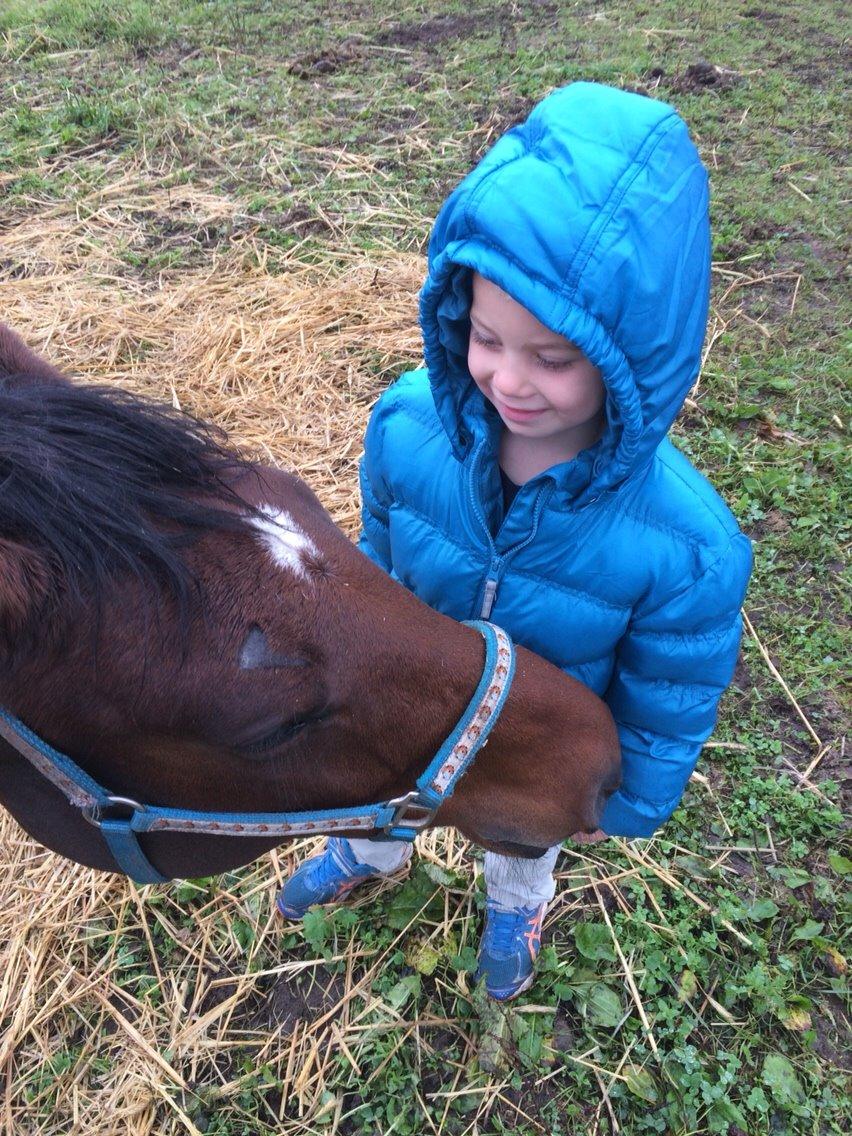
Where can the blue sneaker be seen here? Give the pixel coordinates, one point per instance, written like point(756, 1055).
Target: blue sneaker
point(510, 945)
point(328, 877)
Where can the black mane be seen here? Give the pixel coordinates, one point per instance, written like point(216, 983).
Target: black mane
point(102, 482)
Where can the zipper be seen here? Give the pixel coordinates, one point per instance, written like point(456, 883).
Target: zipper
point(492, 579)
point(490, 593)
point(474, 498)
point(498, 563)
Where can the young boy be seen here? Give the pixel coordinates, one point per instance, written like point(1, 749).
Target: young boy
point(525, 475)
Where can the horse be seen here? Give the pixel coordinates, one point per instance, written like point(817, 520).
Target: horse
point(193, 628)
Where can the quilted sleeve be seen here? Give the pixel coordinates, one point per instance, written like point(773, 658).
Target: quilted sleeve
point(672, 666)
point(374, 540)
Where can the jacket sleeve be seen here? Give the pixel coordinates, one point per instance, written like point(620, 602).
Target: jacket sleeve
point(672, 667)
point(374, 540)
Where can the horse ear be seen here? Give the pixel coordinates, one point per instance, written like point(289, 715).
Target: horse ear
point(16, 359)
point(24, 581)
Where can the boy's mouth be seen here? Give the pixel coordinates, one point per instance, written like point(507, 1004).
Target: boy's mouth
point(516, 415)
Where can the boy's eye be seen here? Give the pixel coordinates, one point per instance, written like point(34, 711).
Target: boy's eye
point(555, 364)
point(482, 340)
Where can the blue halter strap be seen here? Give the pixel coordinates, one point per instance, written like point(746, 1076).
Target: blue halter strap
point(120, 818)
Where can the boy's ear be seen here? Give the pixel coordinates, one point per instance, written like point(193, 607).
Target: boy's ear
point(24, 582)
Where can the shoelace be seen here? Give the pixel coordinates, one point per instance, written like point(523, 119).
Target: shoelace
point(504, 927)
point(332, 864)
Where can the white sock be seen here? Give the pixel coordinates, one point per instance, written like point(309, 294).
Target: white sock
point(384, 855)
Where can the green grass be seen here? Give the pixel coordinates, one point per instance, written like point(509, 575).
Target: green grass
point(364, 116)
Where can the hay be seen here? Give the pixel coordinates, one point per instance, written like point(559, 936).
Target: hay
point(288, 363)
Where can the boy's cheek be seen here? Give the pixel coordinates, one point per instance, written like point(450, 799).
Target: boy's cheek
point(481, 382)
point(478, 364)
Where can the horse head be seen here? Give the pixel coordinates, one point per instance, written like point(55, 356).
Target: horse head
point(197, 633)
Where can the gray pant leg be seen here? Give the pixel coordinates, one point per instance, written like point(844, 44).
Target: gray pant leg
point(511, 881)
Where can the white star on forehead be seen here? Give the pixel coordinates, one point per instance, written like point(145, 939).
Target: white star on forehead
point(287, 543)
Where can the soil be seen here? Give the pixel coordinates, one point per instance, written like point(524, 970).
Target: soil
point(427, 34)
point(438, 29)
point(698, 78)
point(327, 62)
point(763, 15)
point(288, 1000)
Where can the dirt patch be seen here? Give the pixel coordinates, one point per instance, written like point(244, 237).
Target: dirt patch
point(828, 1042)
point(276, 1003)
point(769, 300)
point(173, 232)
point(312, 64)
point(773, 523)
point(698, 78)
point(751, 233)
point(297, 219)
point(194, 239)
point(743, 867)
point(428, 33)
point(170, 56)
point(20, 270)
point(762, 15)
point(818, 260)
point(217, 992)
point(534, 1097)
point(742, 681)
point(289, 1000)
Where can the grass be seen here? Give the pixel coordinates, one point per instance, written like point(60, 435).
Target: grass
point(695, 983)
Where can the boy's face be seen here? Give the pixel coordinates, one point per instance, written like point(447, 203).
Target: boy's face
point(539, 382)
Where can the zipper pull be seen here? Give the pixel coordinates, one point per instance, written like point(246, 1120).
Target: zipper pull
point(488, 597)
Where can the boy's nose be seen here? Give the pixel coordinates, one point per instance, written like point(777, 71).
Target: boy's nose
point(510, 381)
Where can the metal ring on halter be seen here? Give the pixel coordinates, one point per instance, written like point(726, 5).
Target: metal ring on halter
point(100, 811)
point(401, 805)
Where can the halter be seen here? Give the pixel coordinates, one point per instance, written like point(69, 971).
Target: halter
point(121, 818)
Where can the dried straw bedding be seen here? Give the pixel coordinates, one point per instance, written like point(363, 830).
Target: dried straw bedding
point(288, 363)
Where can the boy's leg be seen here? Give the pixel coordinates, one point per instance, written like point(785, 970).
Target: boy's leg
point(514, 882)
point(383, 855)
point(518, 894)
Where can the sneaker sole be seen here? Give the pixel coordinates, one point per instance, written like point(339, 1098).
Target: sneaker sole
point(508, 996)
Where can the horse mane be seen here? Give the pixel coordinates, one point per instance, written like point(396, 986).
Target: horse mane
point(101, 482)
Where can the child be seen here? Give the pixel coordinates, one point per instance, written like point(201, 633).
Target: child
point(525, 476)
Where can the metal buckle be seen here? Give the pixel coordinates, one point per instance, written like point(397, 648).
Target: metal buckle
point(401, 806)
point(97, 813)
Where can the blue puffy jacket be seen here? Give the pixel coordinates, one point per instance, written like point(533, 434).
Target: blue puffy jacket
point(624, 567)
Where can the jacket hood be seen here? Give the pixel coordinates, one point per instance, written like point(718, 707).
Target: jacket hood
point(592, 214)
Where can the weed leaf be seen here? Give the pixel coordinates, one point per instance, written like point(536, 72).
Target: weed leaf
point(808, 931)
point(594, 941)
point(780, 1077)
point(641, 1083)
point(603, 1006)
point(762, 909)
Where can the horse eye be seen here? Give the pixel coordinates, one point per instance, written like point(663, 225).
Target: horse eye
point(282, 734)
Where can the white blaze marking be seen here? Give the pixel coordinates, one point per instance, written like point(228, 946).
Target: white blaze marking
point(284, 540)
